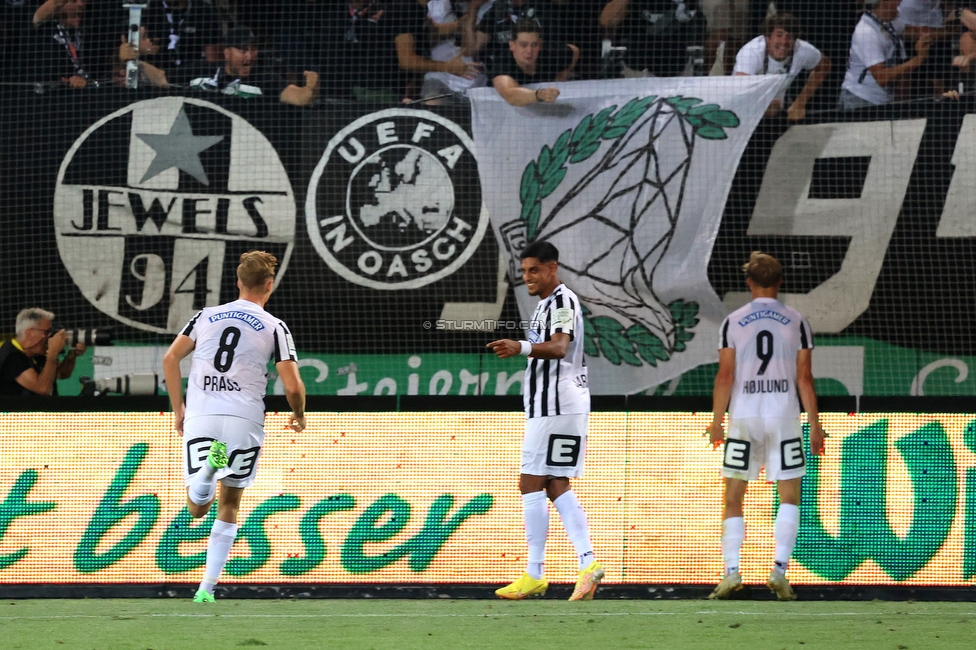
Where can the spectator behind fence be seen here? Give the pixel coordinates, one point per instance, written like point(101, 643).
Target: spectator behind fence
point(446, 24)
point(360, 55)
point(967, 41)
point(926, 17)
point(779, 51)
point(487, 26)
point(528, 62)
point(29, 363)
point(413, 39)
point(878, 64)
point(185, 32)
point(728, 22)
point(241, 74)
point(58, 53)
point(656, 33)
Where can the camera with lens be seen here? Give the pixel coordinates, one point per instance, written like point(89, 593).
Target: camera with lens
point(87, 336)
point(137, 383)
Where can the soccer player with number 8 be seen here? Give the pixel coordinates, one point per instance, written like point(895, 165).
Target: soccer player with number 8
point(222, 420)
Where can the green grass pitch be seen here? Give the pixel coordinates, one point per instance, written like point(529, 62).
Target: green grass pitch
point(111, 624)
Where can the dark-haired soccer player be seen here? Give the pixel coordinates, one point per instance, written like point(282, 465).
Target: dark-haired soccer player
point(557, 411)
point(223, 416)
point(763, 363)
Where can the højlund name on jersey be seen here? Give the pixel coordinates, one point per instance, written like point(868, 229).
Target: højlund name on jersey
point(219, 383)
point(764, 313)
point(251, 320)
point(753, 386)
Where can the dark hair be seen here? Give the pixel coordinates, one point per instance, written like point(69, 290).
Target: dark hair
point(787, 22)
point(526, 25)
point(542, 251)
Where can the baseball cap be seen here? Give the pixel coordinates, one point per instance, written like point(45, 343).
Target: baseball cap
point(239, 37)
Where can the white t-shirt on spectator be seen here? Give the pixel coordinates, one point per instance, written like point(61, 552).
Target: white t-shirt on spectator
point(441, 12)
point(873, 44)
point(921, 13)
point(753, 59)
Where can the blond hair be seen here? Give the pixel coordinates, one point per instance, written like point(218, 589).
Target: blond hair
point(256, 268)
point(764, 270)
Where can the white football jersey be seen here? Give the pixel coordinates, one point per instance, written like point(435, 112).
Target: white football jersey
point(229, 372)
point(766, 336)
point(557, 386)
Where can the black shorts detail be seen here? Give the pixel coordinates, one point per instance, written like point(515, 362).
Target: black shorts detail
point(241, 462)
point(737, 454)
point(791, 454)
point(564, 450)
point(196, 453)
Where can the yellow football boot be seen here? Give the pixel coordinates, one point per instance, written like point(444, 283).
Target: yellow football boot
point(524, 587)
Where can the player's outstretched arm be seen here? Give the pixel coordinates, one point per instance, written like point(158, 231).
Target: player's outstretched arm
point(552, 349)
point(294, 393)
point(808, 397)
point(178, 350)
point(721, 394)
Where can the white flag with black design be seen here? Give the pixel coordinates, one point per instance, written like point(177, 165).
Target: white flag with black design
point(628, 179)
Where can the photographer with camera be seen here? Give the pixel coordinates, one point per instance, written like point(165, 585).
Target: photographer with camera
point(29, 362)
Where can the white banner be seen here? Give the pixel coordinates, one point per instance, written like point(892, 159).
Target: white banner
point(628, 179)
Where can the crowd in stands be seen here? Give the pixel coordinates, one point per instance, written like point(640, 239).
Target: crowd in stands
point(831, 53)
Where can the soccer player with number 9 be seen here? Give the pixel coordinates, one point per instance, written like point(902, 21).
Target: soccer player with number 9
point(222, 420)
point(764, 362)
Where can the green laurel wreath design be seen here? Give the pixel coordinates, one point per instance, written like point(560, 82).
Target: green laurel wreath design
point(541, 177)
point(619, 345)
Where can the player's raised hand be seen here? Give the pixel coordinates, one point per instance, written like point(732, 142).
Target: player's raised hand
point(178, 415)
point(505, 348)
point(817, 437)
point(296, 423)
point(716, 434)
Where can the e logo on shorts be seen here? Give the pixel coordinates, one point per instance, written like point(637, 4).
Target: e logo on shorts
point(737, 454)
point(563, 451)
point(241, 462)
point(791, 454)
point(196, 453)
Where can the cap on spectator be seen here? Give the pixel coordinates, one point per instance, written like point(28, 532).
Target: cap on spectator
point(239, 37)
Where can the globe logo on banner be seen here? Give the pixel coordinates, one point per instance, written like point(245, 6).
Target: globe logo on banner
point(155, 203)
point(395, 201)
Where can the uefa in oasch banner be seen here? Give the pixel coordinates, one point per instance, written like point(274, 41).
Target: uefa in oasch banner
point(99, 498)
point(129, 209)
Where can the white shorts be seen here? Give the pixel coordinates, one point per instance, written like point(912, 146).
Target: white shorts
point(776, 443)
point(555, 445)
point(243, 438)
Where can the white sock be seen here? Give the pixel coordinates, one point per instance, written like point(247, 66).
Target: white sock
point(222, 537)
point(203, 485)
point(535, 507)
point(576, 525)
point(785, 531)
point(733, 532)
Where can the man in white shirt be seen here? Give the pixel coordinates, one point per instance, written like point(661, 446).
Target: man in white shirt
point(223, 416)
point(779, 51)
point(764, 363)
point(878, 61)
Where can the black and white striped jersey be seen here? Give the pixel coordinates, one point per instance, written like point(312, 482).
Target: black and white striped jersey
point(229, 371)
point(557, 386)
point(766, 336)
